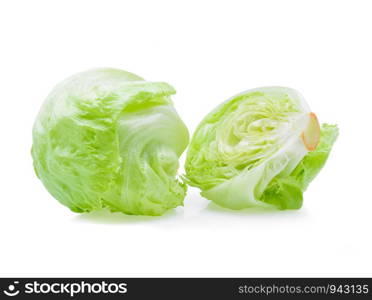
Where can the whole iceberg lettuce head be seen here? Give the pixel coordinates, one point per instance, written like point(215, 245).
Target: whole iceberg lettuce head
point(107, 138)
point(260, 148)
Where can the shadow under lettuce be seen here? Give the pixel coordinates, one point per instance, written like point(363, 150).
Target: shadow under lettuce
point(253, 211)
point(105, 216)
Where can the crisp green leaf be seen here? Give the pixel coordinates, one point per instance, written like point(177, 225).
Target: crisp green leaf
point(286, 192)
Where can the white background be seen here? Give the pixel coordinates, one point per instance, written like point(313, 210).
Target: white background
point(209, 51)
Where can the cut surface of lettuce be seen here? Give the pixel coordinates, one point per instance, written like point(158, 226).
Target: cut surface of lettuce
point(108, 138)
point(261, 148)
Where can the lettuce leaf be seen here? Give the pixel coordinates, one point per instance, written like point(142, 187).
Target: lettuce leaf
point(286, 192)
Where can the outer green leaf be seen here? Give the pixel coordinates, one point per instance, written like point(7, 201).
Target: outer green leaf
point(286, 192)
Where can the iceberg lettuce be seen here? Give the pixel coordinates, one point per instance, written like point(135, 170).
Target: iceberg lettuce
point(260, 148)
point(108, 138)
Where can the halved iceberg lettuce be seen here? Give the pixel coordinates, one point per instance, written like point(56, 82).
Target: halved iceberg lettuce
point(260, 148)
